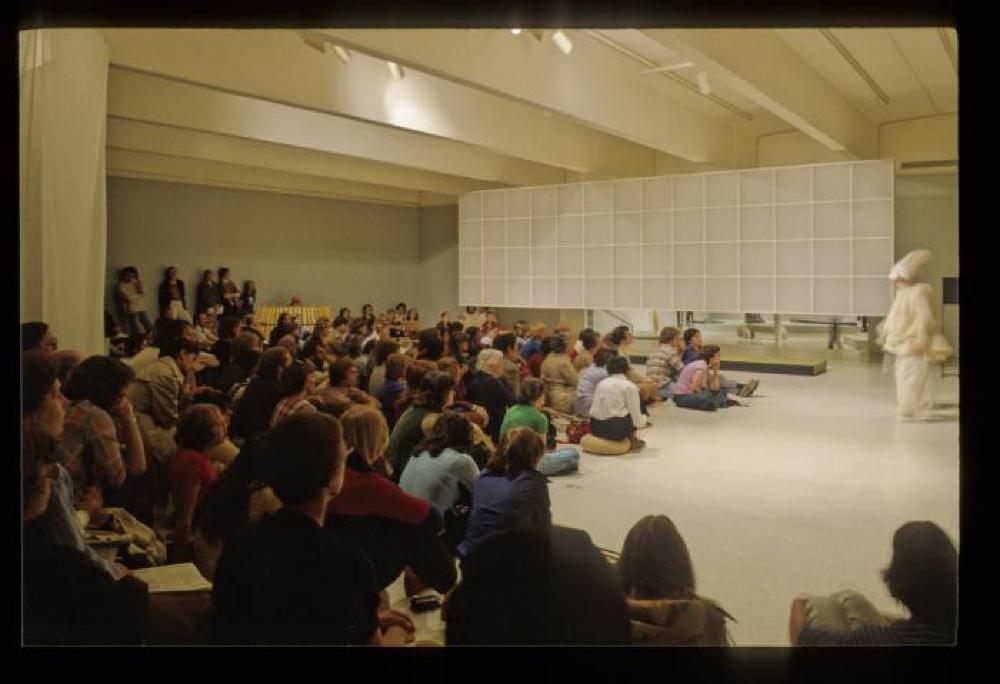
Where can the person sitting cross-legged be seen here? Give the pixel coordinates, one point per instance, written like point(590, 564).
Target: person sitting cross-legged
point(698, 385)
point(528, 411)
point(615, 413)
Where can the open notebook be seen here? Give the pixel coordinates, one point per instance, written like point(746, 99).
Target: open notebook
point(179, 577)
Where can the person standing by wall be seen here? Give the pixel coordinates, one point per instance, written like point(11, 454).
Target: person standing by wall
point(130, 294)
point(171, 296)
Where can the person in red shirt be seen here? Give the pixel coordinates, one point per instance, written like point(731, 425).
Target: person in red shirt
point(201, 427)
point(393, 528)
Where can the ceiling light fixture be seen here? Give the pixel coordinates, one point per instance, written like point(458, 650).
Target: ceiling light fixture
point(563, 42)
point(515, 32)
point(343, 54)
point(672, 67)
point(703, 84)
point(395, 70)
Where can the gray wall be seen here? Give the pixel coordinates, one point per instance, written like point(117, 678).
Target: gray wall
point(437, 284)
point(328, 252)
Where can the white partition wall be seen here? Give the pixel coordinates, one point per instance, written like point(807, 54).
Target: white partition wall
point(798, 239)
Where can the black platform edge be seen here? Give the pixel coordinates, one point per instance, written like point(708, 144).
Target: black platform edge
point(779, 368)
point(760, 367)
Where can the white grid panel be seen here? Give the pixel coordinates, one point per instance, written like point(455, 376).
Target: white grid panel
point(814, 238)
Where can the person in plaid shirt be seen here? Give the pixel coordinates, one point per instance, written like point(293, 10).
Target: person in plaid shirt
point(664, 363)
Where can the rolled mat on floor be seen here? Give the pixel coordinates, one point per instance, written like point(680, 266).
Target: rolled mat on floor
point(604, 447)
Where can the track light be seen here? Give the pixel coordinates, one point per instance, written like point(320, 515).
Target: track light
point(563, 42)
point(515, 32)
point(395, 70)
point(703, 84)
point(343, 54)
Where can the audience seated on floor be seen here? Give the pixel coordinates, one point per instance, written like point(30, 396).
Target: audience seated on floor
point(383, 350)
point(693, 344)
point(342, 390)
point(435, 393)
point(615, 413)
point(36, 335)
point(394, 529)
point(583, 349)
point(698, 386)
point(664, 364)
point(560, 376)
point(223, 453)
point(158, 394)
point(101, 444)
point(285, 579)
point(657, 577)
point(443, 471)
point(238, 498)
point(245, 359)
point(294, 389)
point(485, 388)
point(44, 407)
point(588, 380)
point(620, 339)
point(68, 599)
point(510, 492)
point(515, 368)
point(537, 585)
point(255, 406)
point(392, 385)
point(528, 412)
point(922, 575)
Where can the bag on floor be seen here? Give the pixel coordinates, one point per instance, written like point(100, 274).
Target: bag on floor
point(576, 430)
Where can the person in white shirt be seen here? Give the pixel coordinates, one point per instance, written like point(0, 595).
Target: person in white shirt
point(615, 412)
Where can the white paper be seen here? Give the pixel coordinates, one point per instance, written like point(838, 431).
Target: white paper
point(179, 577)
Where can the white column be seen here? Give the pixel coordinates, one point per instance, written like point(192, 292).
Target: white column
point(63, 223)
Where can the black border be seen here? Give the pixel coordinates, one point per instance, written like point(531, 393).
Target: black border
point(710, 665)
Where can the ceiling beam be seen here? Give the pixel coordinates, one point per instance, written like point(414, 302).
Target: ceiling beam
point(302, 69)
point(177, 169)
point(143, 97)
point(768, 71)
point(165, 140)
point(583, 85)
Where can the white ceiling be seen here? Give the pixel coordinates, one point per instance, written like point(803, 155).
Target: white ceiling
point(478, 109)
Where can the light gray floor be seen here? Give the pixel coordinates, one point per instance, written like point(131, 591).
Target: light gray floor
point(799, 492)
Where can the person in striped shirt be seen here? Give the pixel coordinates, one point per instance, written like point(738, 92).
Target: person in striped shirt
point(923, 576)
point(664, 364)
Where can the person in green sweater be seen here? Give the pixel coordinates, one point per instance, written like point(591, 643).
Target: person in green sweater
point(528, 412)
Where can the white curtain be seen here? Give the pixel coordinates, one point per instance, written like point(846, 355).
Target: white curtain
point(63, 219)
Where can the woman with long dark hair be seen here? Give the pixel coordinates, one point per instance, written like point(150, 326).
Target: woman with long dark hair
point(658, 580)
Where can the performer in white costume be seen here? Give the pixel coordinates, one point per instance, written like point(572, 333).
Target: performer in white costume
point(911, 334)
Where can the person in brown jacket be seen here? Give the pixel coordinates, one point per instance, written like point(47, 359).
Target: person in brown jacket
point(658, 580)
point(559, 377)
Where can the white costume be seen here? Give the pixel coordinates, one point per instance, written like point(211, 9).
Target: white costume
point(911, 333)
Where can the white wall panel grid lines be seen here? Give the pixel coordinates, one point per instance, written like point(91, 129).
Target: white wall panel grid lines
point(601, 242)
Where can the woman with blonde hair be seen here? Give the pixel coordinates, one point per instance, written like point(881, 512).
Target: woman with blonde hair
point(394, 529)
point(658, 580)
